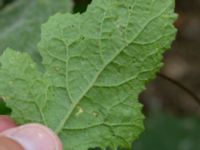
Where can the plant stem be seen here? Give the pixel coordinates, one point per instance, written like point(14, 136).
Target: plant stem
point(181, 86)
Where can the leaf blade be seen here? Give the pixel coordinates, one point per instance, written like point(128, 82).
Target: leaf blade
point(96, 65)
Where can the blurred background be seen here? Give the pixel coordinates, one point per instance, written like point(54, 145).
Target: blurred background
point(172, 100)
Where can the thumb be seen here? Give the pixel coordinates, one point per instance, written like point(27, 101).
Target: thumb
point(29, 137)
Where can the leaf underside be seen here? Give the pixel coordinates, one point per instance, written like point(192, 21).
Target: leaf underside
point(96, 64)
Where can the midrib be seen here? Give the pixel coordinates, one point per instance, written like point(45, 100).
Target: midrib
point(61, 125)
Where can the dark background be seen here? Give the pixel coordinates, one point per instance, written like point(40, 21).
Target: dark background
point(172, 100)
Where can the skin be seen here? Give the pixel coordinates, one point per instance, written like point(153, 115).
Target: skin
point(26, 137)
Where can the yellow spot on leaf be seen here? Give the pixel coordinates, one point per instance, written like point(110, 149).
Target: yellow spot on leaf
point(80, 111)
point(95, 114)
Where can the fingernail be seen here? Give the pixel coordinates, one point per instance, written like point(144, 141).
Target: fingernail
point(34, 137)
point(6, 123)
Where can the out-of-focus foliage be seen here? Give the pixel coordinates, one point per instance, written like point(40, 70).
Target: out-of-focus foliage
point(165, 132)
point(20, 22)
point(1, 3)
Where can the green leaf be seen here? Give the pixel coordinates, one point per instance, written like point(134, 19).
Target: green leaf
point(96, 64)
point(20, 23)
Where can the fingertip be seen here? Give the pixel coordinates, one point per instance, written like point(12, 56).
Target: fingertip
point(34, 137)
point(6, 123)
